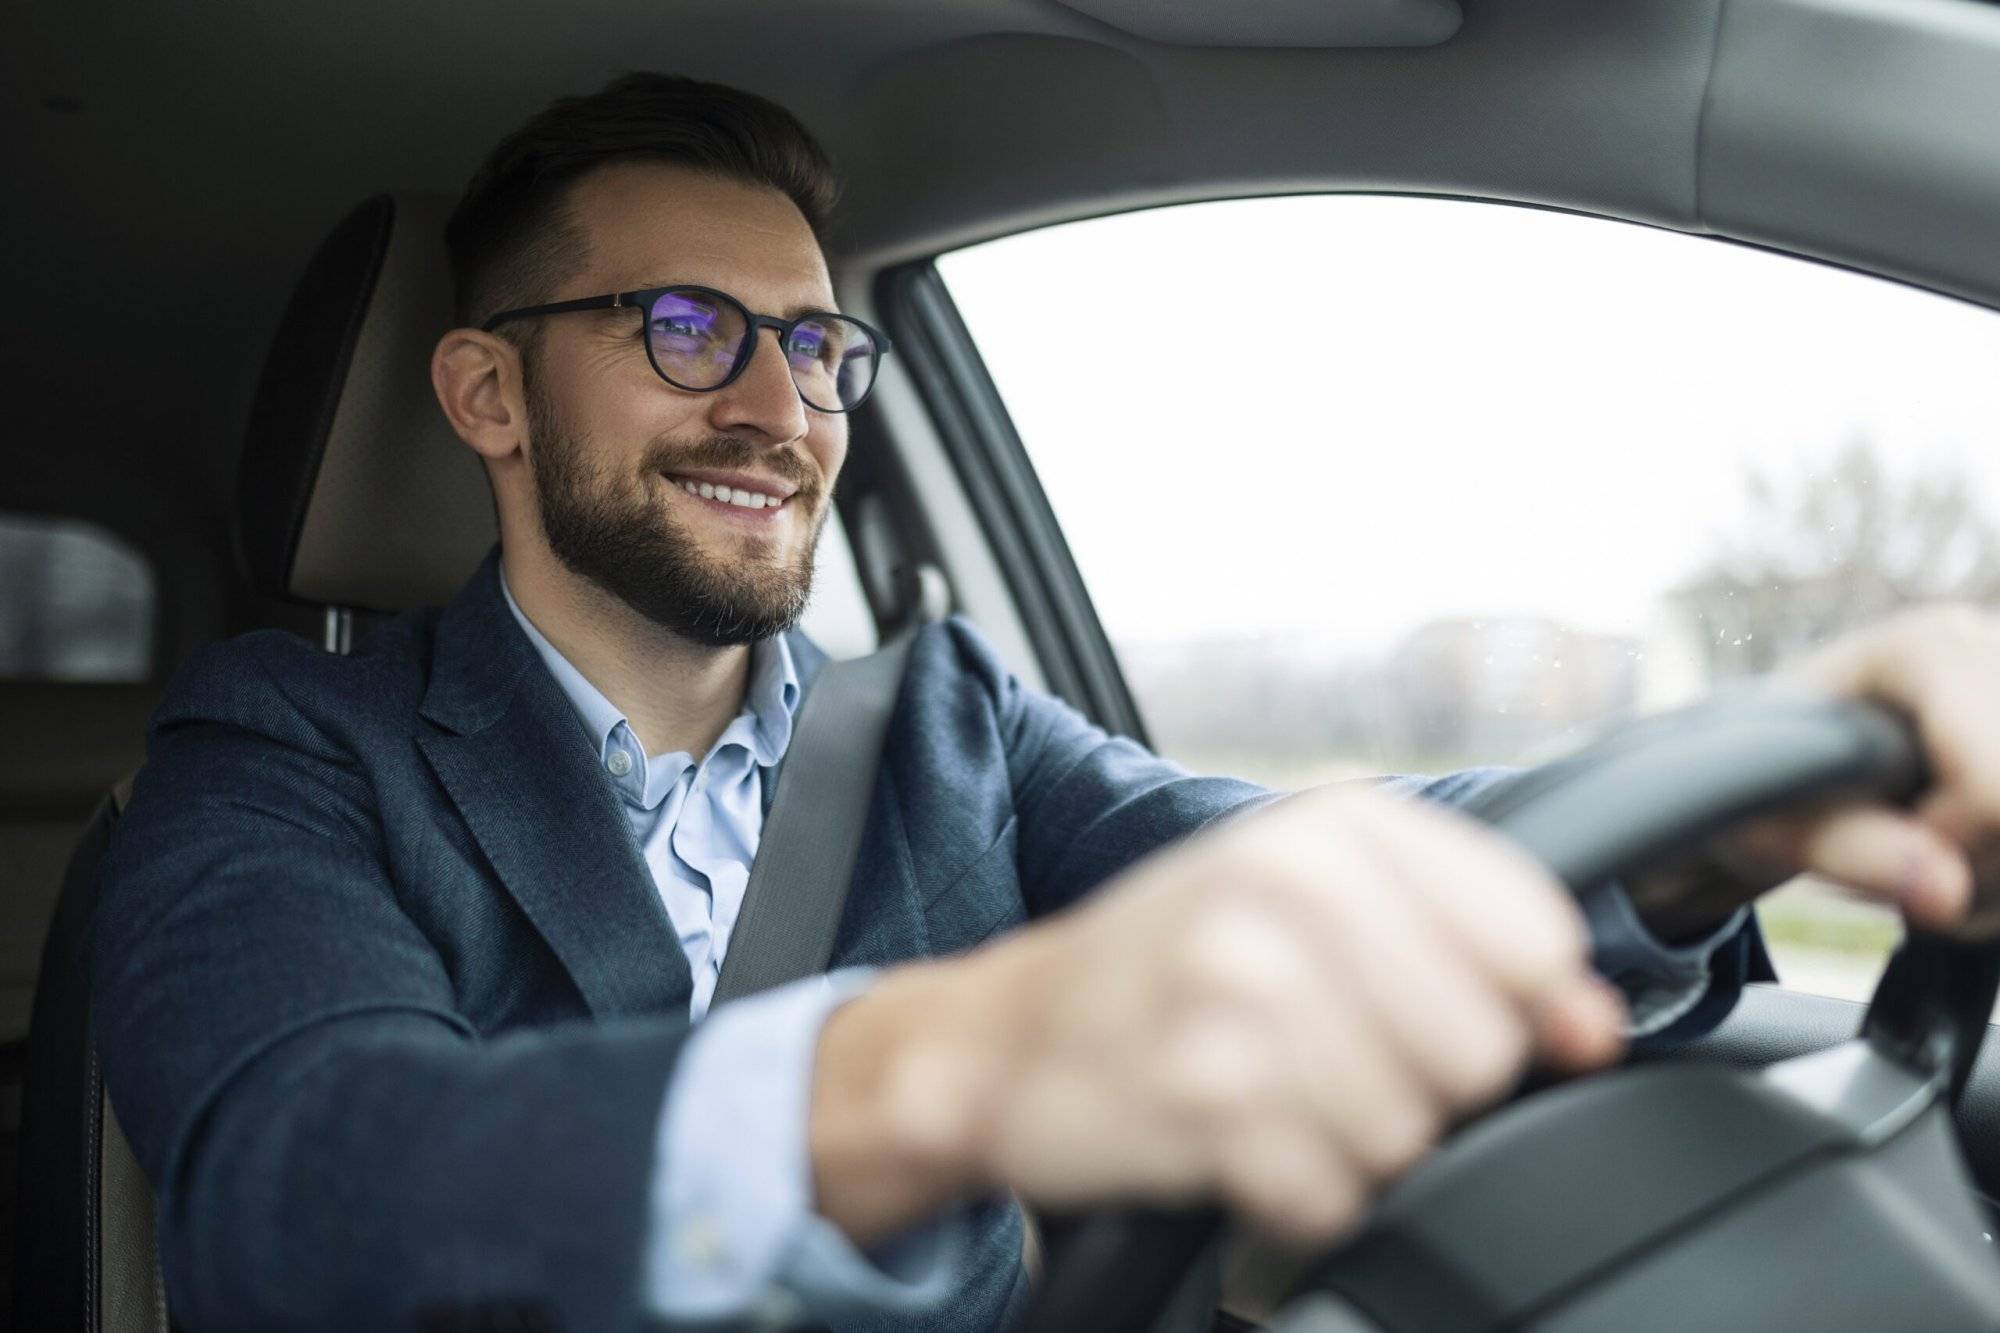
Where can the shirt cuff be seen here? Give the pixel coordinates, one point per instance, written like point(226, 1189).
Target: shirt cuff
point(1661, 981)
point(732, 1233)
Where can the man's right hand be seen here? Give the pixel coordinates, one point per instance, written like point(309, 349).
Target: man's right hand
point(1284, 1013)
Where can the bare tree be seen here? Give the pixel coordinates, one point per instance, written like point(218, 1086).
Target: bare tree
point(1834, 548)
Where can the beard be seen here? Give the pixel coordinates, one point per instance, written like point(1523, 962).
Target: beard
point(626, 543)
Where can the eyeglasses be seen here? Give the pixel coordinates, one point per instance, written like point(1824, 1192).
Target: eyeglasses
point(701, 340)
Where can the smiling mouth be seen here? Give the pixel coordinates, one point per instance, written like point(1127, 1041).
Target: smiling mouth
point(732, 499)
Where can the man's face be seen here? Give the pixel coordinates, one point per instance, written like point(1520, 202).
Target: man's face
point(611, 443)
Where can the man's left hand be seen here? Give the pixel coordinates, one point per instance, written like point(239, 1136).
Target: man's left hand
point(1939, 665)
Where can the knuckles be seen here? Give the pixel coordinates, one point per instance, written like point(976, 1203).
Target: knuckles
point(1208, 1073)
point(1486, 1064)
point(1308, 1196)
point(1397, 1141)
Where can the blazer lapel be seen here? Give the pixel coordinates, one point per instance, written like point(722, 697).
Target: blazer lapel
point(514, 759)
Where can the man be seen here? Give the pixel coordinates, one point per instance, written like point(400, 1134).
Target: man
point(403, 961)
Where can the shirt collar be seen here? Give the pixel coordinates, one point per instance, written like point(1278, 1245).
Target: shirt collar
point(764, 726)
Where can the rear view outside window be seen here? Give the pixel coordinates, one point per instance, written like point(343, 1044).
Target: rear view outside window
point(1371, 485)
point(76, 604)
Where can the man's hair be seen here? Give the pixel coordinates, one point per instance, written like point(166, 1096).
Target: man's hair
point(511, 237)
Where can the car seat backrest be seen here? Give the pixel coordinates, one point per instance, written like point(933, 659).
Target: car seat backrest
point(87, 1255)
point(132, 1296)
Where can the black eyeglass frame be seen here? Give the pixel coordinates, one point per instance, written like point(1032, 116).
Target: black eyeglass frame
point(642, 300)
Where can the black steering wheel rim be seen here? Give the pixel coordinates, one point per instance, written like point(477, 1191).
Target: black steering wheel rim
point(1645, 791)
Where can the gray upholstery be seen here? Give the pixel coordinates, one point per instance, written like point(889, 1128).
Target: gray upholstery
point(400, 513)
point(88, 1261)
point(131, 1296)
point(1285, 23)
point(355, 492)
point(1863, 131)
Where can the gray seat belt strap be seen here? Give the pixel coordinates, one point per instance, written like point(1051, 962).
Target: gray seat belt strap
point(805, 856)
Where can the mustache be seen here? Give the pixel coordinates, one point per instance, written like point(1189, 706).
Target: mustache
point(729, 453)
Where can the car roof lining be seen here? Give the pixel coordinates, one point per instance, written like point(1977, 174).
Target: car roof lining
point(196, 185)
point(1280, 23)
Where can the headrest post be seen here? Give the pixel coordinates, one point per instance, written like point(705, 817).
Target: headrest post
point(339, 635)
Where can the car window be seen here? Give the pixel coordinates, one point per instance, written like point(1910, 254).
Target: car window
point(76, 603)
point(1364, 484)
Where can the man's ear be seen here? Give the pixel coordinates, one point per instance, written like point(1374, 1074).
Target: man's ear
point(477, 378)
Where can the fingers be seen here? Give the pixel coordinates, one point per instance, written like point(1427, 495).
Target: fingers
point(1457, 1030)
point(1935, 663)
point(1287, 1013)
point(1399, 977)
point(1477, 914)
point(1292, 1184)
point(1886, 855)
point(1270, 1037)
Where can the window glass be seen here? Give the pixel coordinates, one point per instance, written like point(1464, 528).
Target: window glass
point(1366, 485)
point(76, 604)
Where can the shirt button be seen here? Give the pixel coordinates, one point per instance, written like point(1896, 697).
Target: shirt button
point(619, 763)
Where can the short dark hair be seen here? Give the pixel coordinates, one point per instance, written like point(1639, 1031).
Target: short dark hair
point(510, 238)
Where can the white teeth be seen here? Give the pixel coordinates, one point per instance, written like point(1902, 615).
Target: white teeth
point(728, 495)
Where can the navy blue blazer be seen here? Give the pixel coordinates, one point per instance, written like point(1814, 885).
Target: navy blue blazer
point(387, 1001)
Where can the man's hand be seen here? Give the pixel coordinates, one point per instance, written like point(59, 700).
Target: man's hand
point(1939, 665)
point(1284, 1013)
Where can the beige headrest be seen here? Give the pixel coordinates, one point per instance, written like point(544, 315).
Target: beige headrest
point(353, 490)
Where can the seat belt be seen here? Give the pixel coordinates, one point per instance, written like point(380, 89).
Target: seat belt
point(805, 857)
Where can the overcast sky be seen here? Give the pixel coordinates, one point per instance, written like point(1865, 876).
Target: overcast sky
point(1336, 418)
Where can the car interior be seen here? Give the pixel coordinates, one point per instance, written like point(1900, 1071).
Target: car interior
point(225, 258)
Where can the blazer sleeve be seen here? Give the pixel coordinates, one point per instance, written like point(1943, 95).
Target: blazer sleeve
point(1087, 803)
point(331, 1144)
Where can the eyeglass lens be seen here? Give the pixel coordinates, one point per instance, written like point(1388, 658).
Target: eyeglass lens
point(696, 340)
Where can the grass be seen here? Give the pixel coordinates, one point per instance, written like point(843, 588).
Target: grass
point(1828, 932)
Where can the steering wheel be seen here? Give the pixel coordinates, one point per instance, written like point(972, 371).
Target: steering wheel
point(1427, 1258)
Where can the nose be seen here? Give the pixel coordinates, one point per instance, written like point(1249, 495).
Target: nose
point(763, 400)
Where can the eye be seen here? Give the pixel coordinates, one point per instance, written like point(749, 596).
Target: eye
point(682, 326)
point(821, 344)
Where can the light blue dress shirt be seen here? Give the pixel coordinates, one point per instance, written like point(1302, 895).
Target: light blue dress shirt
point(733, 1234)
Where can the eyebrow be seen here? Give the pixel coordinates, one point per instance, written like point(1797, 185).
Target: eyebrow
point(793, 311)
